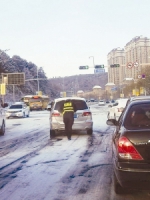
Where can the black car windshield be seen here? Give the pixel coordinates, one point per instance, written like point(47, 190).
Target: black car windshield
point(138, 117)
point(80, 105)
point(15, 106)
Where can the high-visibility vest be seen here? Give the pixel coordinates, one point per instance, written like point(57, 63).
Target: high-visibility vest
point(68, 107)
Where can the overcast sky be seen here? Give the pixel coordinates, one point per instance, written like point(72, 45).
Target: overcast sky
point(61, 35)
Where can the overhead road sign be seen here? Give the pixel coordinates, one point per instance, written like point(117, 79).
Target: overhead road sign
point(129, 65)
point(84, 67)
point(114, 89)
point(16, 78)
point(99, 70)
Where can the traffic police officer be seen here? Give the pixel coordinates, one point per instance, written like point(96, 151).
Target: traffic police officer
point(68, 116)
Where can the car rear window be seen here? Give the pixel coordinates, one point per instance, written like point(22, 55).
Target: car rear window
point(15, 106)
point(138, 117)
point(80, 105)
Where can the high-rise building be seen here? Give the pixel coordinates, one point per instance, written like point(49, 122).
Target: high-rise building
point(137, 52)
point(132, 60)
point(116, 73)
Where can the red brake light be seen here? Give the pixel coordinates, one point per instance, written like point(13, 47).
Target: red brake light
point(35, 97)
point(86, 113)
point(127, 151)
point(55, 114)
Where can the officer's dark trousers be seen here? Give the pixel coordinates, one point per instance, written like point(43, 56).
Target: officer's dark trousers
point(68, 119)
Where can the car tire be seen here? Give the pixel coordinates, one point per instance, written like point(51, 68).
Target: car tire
point(52, 134)
point(117, 187)
point(89, 131)
point(2, 130)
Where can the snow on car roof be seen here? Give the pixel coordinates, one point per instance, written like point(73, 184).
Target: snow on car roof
point(65, 98)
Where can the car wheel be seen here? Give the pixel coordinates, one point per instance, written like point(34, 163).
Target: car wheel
point(89, 131)
point(2, 130)
point(52, 134)
point(117, 187)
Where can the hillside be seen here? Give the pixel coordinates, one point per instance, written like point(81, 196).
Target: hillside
point(51, 87)
point(84, 82)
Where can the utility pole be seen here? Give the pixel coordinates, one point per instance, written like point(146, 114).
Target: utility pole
point(93, 60)
point(37, 80)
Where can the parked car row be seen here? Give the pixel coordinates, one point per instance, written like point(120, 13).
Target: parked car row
point(131, 146)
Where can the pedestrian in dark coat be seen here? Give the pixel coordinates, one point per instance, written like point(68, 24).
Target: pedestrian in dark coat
point(68, 116)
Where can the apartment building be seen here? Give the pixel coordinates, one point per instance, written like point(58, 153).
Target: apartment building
point(137, 52)
point(116, 74)
point(132, 59)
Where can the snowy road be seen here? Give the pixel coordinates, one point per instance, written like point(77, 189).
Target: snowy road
point(33, 167)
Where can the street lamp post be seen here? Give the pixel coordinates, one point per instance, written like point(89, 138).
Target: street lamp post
point(93, 60)
point(37, 80)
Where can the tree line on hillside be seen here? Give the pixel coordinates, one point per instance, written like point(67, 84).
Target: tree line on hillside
point(18, 65)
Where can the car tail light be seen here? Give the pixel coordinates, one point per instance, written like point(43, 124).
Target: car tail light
point(120, 109)
point(127, 151)
point(86, 114)
point(55, 114)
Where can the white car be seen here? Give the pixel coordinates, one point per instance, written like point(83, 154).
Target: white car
point(18, 109)
point(82, 117)
point(117, 108)
point(101, 103)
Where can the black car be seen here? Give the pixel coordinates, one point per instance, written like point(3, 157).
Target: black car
point(131, 147)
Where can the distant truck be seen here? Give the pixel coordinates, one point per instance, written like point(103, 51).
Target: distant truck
point(36, 102)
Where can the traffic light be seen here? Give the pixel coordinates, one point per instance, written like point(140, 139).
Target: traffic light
point(115, 65)
point(98, 66)
point(84, 67)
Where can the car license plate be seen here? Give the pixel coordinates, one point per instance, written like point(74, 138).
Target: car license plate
point(75, 115)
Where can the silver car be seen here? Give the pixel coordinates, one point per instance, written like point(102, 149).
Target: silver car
point(82, 117)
